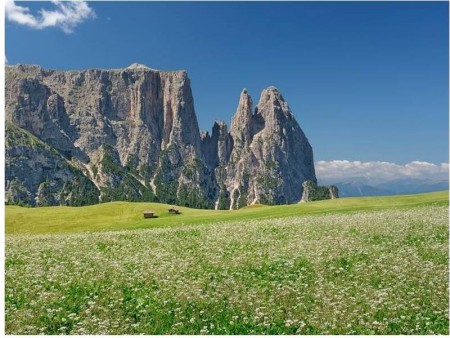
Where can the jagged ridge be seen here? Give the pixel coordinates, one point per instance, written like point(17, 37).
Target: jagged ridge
point(134, 134)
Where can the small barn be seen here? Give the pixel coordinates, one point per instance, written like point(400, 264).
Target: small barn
point(149, 214)
point(174, 211)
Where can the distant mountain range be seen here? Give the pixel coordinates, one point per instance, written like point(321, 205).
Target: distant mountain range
point(359, 186)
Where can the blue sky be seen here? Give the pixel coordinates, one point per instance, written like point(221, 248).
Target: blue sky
point(366, 81)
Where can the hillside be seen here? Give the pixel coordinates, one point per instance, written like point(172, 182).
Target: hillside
point(125, 215)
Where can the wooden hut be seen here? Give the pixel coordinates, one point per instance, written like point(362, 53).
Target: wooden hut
point(174, 211)
point(149, 214)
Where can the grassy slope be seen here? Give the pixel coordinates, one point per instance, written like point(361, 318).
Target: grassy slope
point(125, 215)
point(370, 272)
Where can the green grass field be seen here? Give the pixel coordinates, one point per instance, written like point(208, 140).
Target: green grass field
point(348, 266)
point(126, 215)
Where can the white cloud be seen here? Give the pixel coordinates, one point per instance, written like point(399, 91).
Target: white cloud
point(378, 172)
point(66, 15)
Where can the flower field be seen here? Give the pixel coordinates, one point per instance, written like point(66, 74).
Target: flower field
point(366, 272)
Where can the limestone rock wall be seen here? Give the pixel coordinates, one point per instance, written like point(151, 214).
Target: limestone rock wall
point(133, 134)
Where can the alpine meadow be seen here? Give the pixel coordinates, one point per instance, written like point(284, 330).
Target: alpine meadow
point(350, 266)
point(320, 207)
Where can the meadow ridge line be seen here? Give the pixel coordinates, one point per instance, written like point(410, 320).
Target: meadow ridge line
point(128, 215)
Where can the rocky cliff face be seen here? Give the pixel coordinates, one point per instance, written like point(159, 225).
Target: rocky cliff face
point(36, 174)
point(132, 134)
point(269, 156)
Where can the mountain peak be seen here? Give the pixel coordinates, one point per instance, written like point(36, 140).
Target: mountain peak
point(272, 102)
point(272, 89)
point(246, 94)
point(244, 108)
point(139, 66)
point(243, 115)
point(271, 94)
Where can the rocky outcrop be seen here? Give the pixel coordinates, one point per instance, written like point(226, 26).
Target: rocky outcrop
point(313, 192)
point(217, 147)
point(132, 134)
point(270, 156)
point(36, 174)
point(333, 192)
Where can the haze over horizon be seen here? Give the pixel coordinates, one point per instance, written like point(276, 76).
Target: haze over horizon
point(367, 82)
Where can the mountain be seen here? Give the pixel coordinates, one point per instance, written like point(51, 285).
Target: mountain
point(353, 189)
point(265, 156)
point(357, 186)
point(82, 137)
point(414, 185)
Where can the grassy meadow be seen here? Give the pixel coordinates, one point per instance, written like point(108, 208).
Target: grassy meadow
point(128, 215)
point(374, 265)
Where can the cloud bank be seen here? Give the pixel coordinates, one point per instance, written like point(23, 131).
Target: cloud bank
point(379, 172)
point(66, 15)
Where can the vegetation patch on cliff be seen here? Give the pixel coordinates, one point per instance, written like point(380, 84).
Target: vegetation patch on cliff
point(314, 192)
